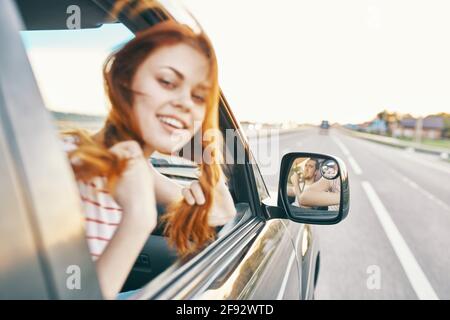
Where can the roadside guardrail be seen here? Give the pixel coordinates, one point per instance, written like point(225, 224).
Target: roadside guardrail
point(442, 152)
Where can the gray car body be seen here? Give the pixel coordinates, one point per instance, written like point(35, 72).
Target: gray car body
point(43, 244)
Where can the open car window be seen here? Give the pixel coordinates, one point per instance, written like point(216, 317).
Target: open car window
point(67, 65)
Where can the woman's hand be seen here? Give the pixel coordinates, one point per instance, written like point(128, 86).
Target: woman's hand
point(223, 209)
point(134, 191)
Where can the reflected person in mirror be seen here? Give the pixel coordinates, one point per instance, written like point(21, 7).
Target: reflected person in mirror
point(305, 173)
point(322, 193)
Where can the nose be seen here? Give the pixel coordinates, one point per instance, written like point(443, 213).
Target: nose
point(184, 101)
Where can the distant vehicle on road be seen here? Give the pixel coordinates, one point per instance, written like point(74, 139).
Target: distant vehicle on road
point(324, 126)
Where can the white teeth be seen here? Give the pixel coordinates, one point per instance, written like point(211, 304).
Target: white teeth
point(172, 122)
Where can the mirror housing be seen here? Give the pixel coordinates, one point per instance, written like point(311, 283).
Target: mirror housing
point(306, 215)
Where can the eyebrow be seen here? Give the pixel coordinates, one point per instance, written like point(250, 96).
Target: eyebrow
point(178, 73)
point(181, 76)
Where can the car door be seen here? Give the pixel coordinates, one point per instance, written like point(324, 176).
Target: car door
point(302, 267)
point(295, 278)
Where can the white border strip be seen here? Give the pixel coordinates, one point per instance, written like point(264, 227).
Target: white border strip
point(413, 271)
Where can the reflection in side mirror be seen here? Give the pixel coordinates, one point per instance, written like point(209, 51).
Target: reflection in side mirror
point(329, 169)
point(314, 188)
point(313, 184)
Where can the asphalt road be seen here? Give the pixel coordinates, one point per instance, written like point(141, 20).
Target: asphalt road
point(395, 242)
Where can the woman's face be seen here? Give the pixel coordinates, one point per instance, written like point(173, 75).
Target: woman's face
point(170, 103)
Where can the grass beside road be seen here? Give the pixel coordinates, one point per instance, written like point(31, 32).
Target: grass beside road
point(441, 143)
point(442, 150)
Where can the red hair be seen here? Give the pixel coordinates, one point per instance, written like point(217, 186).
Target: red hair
point(186, 226)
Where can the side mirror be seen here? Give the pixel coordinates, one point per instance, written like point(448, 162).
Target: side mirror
point(313, 188)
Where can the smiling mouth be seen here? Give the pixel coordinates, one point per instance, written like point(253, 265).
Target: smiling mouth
point(172, 122)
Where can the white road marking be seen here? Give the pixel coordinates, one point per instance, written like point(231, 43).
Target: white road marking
point(355, 166)
point(341, 146)
point(426, 193)
point(409, 153)
point(413, 271)
point(286, 277)
point(431, 163)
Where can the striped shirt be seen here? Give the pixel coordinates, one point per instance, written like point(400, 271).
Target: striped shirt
point(102, 214)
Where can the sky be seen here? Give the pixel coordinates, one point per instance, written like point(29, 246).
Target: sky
point(285, 60)
point(340, 60)
point(68, 65)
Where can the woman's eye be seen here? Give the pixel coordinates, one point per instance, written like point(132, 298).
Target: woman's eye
point(198, 99)
point(167, 83)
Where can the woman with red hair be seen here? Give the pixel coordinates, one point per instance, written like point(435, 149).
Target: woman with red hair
point(163, 89)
